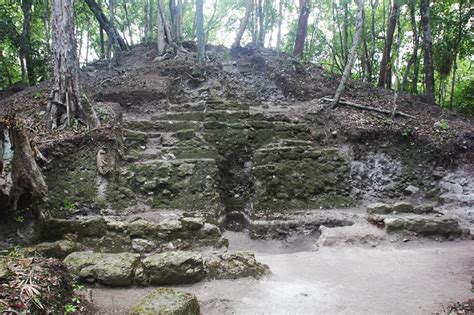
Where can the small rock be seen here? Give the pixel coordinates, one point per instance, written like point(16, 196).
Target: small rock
point(142, 246)
point(411, 190)
point(167, 301)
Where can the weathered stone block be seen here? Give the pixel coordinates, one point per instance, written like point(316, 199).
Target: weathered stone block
point(166, 301)
point(235, 265)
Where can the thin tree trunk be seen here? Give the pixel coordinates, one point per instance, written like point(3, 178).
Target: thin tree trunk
point(414, 57)
point(26, 40)
point(161, 34)
point(166, 27)
point(396, 67)
point(366, 62)
point(201, 45)
point(280, 20)
point(428, 51)
point(373, 6)
point(261, 32)
point(243, 23)
point(345, 27)
point(352, 55)
point(151, 18)
point(392, 23)
point(129, 23)
point(302, 28)
point(65, 101)
point(338, 23)
point(455, 58)
point(145, 23)
point(106, 25)
point(178, 27)
point(88, 28)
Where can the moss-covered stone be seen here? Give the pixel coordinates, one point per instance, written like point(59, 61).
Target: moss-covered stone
point(235, 265)
point(58, 249)
point(108, 269)
point(56, 229)
point(166, 301)
point(172, 268)
point(290, 178)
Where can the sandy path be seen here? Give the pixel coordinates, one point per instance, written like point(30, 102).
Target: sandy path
point(415, 279)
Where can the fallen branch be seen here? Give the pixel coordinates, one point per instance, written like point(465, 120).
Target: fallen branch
point(373, 109)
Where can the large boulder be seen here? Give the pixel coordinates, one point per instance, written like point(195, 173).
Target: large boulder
point(172, 268)
point(108, 269)
point(166, 301)
point(235, 265)
point(424, 225)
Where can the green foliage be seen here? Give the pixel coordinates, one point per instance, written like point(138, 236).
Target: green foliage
point(68, 204)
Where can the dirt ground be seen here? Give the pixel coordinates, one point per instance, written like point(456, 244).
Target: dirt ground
point(412, 278)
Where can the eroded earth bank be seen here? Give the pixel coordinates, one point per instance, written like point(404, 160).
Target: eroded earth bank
point(229, 188)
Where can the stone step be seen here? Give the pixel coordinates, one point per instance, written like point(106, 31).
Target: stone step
point(226, 115)
point(188, 107)
point(226, 106)
point(162, 125)
point(182, 115)
point(179, 152)
point(140, 236)
point(167, 268)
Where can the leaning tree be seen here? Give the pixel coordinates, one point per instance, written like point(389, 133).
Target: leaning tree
point(65, 100)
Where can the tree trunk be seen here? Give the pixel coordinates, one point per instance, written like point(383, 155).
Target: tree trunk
point(455, 61)
point(396, 67)
point(27, 179)
point(243, 23)
point(345, 28)
point(201, 45)
point(373, 6)
point(335, 16)
point(178, 21)
point(161, 34)
point(129, 23)
point(164, 30)
point(106, 25)
point(280, 20)
point(26, 6)
point(414, 57)
point(151, 17)
point(366, 62)
point(261, 27)
point(392, 23)
point(352, 55)
point(145, 21)
point(428, 51)
point(302, 29)
point(65, 101)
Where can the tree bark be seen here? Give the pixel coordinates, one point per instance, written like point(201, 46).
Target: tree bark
point(280, 20)
point(428, 51)
point(178, 21)
point(302, 28)
point(65, 101)
point(161, 34)
point(243, 23)
point(392, 23)
point(106, 25)
point(352, 55)
point(26, 175)
point(201, 45)
point(26, 6)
